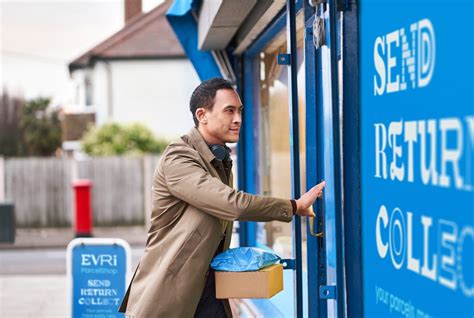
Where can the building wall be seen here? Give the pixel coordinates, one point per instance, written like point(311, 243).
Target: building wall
point(155, 93)
point(100, 93)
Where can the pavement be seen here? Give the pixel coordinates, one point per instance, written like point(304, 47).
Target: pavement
point(41, 238)
point(33, 280)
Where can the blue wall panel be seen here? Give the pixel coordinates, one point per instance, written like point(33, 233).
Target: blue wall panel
point(417, 126)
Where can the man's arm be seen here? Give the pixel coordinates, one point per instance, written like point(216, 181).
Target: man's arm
point(189, 181)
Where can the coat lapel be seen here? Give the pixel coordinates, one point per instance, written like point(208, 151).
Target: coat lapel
point(195, 139)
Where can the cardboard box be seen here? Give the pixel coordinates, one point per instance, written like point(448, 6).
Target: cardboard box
point(259, 284)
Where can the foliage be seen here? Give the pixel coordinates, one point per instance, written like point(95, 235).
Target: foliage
point(28, 128)
point(41, 128)
point(115, 139)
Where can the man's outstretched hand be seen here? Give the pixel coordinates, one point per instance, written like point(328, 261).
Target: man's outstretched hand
point(305, 202)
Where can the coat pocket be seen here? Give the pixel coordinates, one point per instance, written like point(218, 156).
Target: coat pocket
point(185, 252)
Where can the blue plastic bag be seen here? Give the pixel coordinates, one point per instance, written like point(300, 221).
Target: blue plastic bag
point(242, 259)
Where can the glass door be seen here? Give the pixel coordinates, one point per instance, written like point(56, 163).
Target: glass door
point(324, 159)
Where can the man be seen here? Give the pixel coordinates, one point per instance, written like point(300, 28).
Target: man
point(192, 213)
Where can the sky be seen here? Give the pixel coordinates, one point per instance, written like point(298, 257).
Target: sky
point(38, 38)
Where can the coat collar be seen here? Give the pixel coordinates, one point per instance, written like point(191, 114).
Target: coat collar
point(194, 138)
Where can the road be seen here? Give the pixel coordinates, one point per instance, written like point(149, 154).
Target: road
point(42, 261)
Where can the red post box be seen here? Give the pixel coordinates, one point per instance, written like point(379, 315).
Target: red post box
point(82, 207)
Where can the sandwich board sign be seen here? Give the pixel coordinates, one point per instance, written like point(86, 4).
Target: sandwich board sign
point(97, 271)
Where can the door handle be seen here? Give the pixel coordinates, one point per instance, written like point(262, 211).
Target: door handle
point(311, 221)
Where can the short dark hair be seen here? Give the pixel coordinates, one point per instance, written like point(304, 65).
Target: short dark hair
point(203, 96)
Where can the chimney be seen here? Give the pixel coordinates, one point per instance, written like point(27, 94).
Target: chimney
point(133, 8)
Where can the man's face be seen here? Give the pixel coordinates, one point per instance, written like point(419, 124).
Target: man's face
point(221, 124)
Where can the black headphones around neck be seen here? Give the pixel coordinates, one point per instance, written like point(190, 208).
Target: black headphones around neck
point(221, 152)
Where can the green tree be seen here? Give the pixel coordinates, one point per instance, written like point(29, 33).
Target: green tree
point(41, 128)
point(115, 139)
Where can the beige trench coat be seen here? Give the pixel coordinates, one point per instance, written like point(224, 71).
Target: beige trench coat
point(193, 209)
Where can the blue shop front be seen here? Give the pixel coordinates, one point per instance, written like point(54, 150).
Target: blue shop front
point(376, 98)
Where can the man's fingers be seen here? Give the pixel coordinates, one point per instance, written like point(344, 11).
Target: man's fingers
point(317, 189)
point(307, 212)
point(311, 212)
point(319, 186)
point(309, 197)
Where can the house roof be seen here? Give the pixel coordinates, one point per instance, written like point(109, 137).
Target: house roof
point(147, 36)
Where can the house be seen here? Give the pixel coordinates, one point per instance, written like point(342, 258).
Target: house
point(139, 74)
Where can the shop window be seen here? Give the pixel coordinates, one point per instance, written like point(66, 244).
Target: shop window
point(274, 137)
